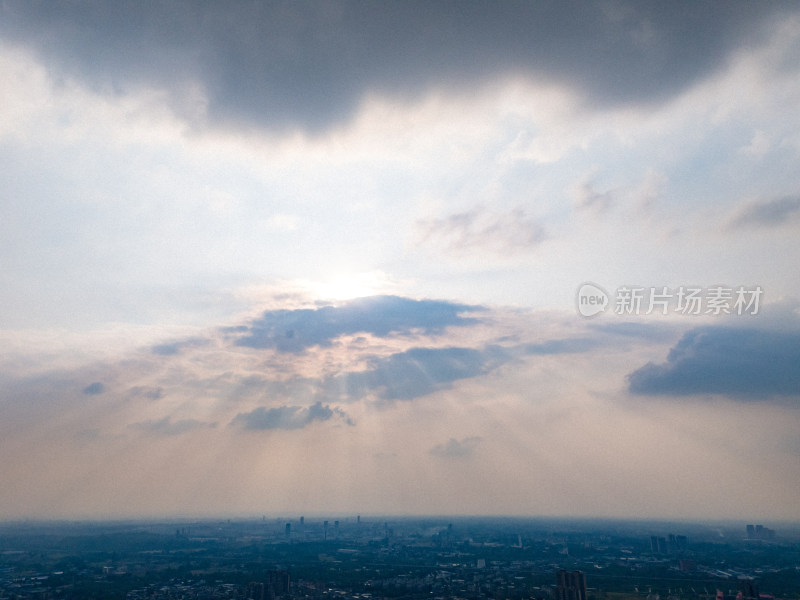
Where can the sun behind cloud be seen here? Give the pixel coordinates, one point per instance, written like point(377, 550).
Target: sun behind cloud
point(344, 285)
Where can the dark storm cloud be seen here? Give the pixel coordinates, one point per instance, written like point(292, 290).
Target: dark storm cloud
point(288, 417)
point(454, 448)
point(504, 233)
point(740, 363)
point(420, 371)
point(281, 65)
point(767, 213)
point(297, 330)
point(94, 388)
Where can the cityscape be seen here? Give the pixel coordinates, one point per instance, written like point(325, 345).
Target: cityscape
point(355, 558)
point(399, 300)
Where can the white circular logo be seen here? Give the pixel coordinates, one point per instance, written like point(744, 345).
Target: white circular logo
point(591, 300)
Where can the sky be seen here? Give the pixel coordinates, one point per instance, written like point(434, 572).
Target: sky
point(513, 258)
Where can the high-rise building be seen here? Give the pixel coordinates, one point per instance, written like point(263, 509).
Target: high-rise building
point(658, 545)
point(278, 582)
point(255, 591)
point(570, 586)
point(747, 590)
point(759, 532)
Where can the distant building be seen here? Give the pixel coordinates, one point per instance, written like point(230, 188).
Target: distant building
point(570, 586)
point(759, 532)
point(747, 590)
point(658, 545)
point(278, 582)
point(255, 591)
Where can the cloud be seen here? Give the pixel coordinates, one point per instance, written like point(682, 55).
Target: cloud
point(758, 146)
point(282, 222)
point(739, 363)
point(167, 427)
point(651, 189)
point(288, 417)
point(296, 330)
point(285, 65)
point(94, 388)
point(565, 346)
point(171, 348)
point(454, 448)
point(766, 213)
point(501, 233)
point(148, 392)
point(645, 331)
point(420, 371)
point(166, 349)
point(588, 198)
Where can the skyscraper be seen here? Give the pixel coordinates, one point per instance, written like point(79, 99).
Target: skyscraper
point(278, 582)
point(255, 591)
point(748, 590)
point(571, 586)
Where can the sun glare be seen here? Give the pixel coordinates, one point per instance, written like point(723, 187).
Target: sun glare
point(346, 286)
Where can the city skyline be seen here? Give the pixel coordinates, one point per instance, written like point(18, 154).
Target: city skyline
point(400, 258)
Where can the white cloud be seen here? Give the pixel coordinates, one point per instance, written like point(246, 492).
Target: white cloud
point(484, 231)
point(282, 222)
point(454, 448)
point(137, 220)
point(758, 146)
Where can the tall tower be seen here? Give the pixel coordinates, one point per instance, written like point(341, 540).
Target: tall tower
point(571, 586)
